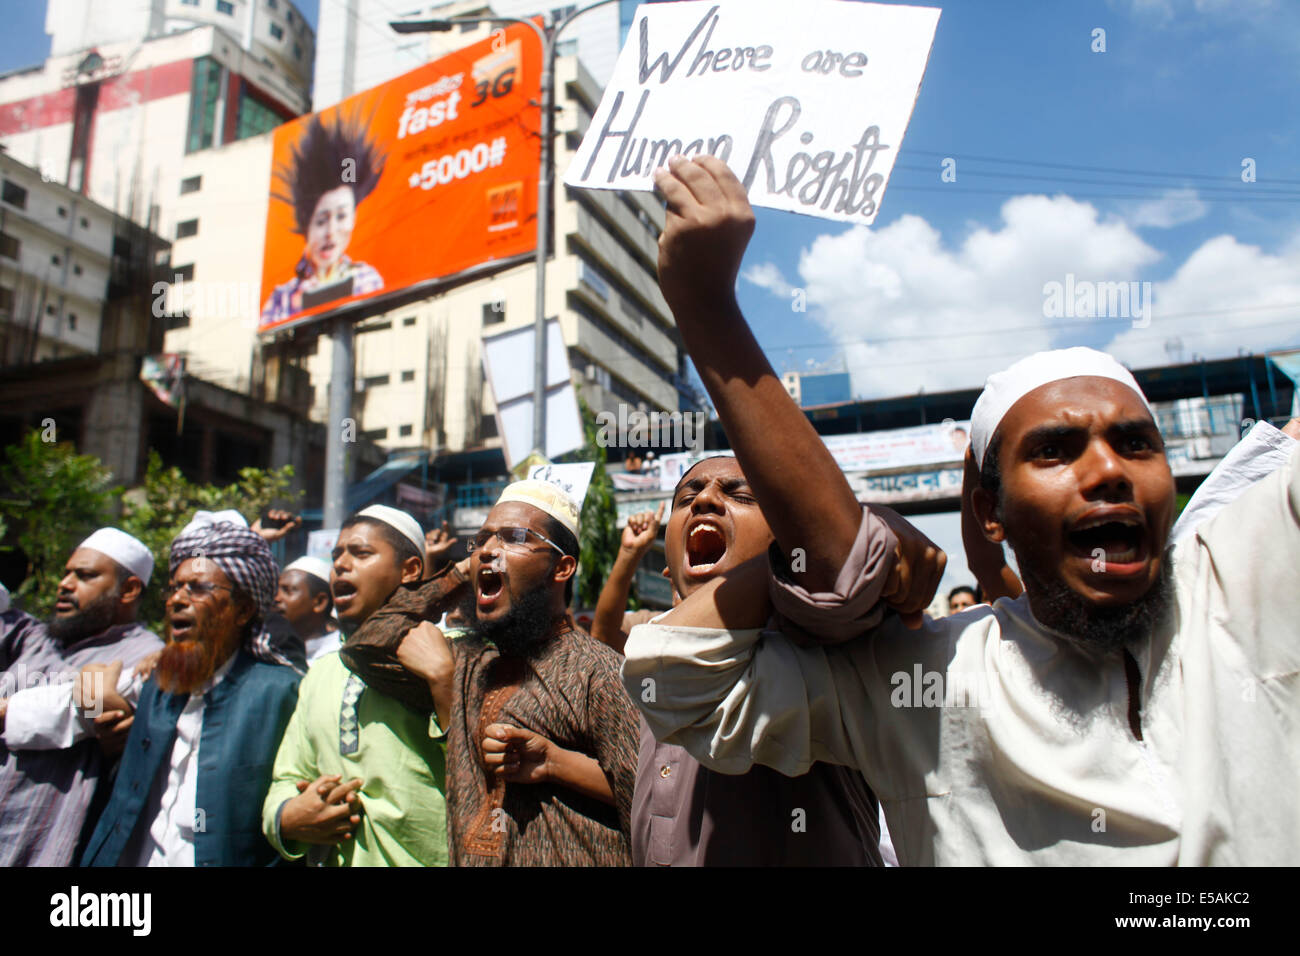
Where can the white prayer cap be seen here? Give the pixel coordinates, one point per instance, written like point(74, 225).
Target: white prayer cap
point(546, 497)
point(316, 567)
point(124, 549)
point(407, 526)
point(1003, 389)
point(203, 519)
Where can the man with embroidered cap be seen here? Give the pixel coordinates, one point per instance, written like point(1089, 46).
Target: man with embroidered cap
point(209, 719)
point(303, 597)
point(541, 738)
point(1136, 705)
point(50, 763)
point(358, 778)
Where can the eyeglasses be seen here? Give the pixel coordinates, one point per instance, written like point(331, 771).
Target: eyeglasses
point(198, 590)
point(512, 539)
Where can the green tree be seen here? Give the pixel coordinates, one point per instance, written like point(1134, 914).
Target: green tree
point(156, 511)
point(50, 499)
point(598, 526)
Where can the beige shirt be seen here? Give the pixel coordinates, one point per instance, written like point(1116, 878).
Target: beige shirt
point(990, 741)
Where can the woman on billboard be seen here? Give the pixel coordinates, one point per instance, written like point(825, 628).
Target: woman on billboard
point(332, 170)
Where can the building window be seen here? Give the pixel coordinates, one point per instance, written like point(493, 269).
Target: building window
point(377, 327)
point(488, 428)
point(190, 227)
point(14, 195)
point(226, 7)
point(85, 223)
point(255, 117)
point(297, 51)
point(272, 4)
point(374, 380)
point(494, 312)
point(51, 310)
point(9, 246)
point(408, 376)
point(205, 92)
point(189, 3)
point(72, 322)
point(404, 431)
point(184, 273)
point(191, 185)
point(55, 260)
point(409, 320)
point(6, 300)
point(63, 212)
point(180, 320)
point(277, 31)
point(375, 434)
point(288, 15)
point(76, 268)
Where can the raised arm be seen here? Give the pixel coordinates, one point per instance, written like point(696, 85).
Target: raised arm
point(638, 536)
point(801, 490)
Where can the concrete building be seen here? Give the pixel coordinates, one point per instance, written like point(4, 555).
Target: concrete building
point(357, 50)
point(130, 89)
point(56, 251)
point(809, 389)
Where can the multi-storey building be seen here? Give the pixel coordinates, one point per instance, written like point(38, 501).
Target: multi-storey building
point(129, 90)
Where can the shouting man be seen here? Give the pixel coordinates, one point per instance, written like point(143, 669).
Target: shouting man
point(1133, 706)
point(541, 740)
point(198, 758)
point(359, 775)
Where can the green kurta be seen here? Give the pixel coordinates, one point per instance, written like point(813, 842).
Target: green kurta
point(342, 726)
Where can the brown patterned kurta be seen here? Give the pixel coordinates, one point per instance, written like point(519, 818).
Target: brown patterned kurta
point(569, 692)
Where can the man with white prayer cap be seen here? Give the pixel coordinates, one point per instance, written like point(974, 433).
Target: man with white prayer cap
point(50, 763)
point(373, 765)
point(303, 597)
point(1136, 705)
point(541, 737)
point(209, 719)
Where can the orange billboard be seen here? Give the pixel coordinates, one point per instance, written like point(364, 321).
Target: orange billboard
point(430, 175)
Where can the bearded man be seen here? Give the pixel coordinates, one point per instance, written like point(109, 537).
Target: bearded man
point(50, 765)
point(1136, 705)
point(198, 758)
point(541, 738)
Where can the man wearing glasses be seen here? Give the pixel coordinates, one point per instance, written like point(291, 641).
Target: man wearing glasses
point(541, 736)
point(198, 759)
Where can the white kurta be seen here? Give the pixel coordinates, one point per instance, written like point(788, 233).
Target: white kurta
point(1031, 759)
point(47, 717)
point(170, 838)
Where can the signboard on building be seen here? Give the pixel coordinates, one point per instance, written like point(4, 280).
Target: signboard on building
point(806, 103)
point(427, 176)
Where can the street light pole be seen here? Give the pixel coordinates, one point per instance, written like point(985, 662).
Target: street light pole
point(545, 182)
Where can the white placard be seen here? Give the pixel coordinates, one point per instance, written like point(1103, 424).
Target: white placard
point(320, 544)
point(573, 478)
point(508, 366)
point(807, 102)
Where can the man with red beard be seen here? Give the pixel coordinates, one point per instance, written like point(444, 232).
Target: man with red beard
point(198, 758)
point(541, 738)
point(50, 767)
point(1136, 705)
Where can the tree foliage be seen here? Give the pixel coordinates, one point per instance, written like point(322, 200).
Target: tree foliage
point(598, 526)
point(50, 499)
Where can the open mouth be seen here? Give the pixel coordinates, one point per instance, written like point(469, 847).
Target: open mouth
point(489, 584)
point(181, 628)
point(1118, 541)
point(706, 544)
point(344, 592)
point(64, 605)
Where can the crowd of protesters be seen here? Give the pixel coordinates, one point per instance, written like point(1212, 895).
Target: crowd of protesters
point(1127, 697)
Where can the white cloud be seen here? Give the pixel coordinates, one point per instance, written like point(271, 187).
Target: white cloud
point(912, 312)
point(767, 275)
point(1174, 208)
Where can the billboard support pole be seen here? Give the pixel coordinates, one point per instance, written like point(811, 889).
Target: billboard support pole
point(339, 434)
